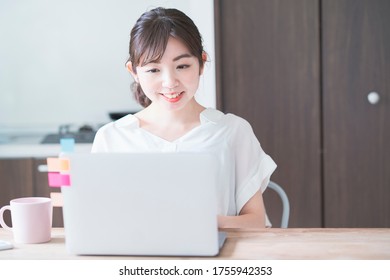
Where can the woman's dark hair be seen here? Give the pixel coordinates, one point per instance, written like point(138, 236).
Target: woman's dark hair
point(149, 39)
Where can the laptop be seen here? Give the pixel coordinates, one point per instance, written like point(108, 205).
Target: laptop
point(157, 204)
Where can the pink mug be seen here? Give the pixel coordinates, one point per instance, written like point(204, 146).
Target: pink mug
point(31, 219)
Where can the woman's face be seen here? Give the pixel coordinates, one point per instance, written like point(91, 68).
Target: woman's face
point(172, 82)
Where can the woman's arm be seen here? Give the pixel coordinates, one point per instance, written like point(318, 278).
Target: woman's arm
point(252, 215)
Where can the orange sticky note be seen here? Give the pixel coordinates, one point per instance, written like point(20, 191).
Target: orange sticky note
point(57, 164)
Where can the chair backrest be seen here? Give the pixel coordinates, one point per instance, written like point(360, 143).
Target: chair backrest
point(285, 203)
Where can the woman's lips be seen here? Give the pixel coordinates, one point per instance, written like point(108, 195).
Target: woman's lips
point(172, 97)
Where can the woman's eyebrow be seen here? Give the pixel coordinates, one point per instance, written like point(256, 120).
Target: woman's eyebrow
point(182, 56)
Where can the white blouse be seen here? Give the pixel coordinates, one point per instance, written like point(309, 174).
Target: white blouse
point(245, 167)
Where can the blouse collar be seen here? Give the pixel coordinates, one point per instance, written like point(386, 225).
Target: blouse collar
point(207, 115)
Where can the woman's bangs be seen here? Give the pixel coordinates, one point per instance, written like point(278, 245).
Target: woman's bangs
point(153, 47)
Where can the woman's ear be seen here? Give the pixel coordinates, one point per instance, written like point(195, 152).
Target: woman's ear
point(129, 67)
point(204, 56)
point(204, 59)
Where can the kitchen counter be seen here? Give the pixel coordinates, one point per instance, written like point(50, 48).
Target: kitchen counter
point(26, 145)
point(37, 150)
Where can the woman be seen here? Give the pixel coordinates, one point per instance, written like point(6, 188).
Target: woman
point(166, 61)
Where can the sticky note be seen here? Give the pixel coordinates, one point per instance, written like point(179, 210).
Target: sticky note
point(58, 180)
point(67, 145)
point(57, 164)
point(57, 199)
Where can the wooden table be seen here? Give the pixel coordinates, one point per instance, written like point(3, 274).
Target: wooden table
point(270, 244)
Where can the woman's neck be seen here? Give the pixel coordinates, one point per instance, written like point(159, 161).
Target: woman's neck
point(158, 116)
point(170, 125)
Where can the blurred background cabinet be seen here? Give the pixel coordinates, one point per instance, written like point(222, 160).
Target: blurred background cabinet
point(300, 72)
point(356, 126)
point(16, 180)
point(19, 177)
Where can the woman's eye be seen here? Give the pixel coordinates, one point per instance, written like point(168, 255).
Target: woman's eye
point(183, 66)
point(154, 70)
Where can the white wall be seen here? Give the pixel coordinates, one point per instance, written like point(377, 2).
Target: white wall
point(63, 61)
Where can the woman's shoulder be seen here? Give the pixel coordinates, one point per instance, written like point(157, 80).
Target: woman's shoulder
point(215, 115)
point(218, 117)
point(125, 122)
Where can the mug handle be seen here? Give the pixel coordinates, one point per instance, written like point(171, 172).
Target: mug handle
point(2, 222)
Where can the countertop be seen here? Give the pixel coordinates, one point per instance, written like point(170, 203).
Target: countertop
point(29, 145)
point(37, 150)
point(271, 244)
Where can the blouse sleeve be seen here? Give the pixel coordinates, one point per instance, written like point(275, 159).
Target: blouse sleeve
point(253, 166)
point(99, 143)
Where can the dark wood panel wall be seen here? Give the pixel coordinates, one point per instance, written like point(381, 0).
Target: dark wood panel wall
point(15, 181)
point(268, 73)
point(300, 72)
point(19, 177)
point(356, 62)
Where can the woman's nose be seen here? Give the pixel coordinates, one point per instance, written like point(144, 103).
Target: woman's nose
point(169, 80)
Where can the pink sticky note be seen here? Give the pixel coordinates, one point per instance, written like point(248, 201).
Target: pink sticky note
point(58, 179)
point(57, 164)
